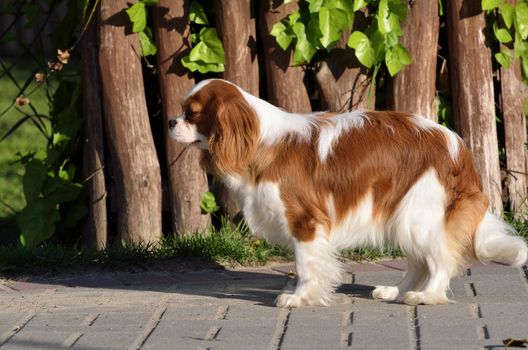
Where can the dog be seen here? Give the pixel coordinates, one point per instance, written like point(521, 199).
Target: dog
point(321, 182)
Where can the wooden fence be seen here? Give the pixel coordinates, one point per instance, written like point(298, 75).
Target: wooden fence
point(115, 109)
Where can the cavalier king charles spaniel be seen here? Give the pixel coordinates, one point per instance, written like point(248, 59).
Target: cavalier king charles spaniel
point(321, 182)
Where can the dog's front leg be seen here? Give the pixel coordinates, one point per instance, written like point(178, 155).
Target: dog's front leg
point(319, 274)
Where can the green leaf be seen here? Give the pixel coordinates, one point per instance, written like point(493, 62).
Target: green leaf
point(394, 65)
point(524, 69)
point(209, 49)
point(396, 58)
point(201, 66)
point(398, 8)
point(488, 5)
point(315, 6)
point(348, 7)
point(331, 24)
point(359, 4)
point(502, 35)
point(521, 19)
point(506, 12)
point(197, 14)
point(148, 47)
point(387, 20)
point(37, 222)
point(403, 54)
point(279, 32)
point(67, 125)
point(304, 49)
point(208, 203)
point(363, 48)
point(150, 2)
point(504, 58)
point(520, 47)
point(138, 16)
point(34, 177)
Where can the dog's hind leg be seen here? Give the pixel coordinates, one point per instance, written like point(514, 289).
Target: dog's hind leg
point(414, 278)
point(319, 274)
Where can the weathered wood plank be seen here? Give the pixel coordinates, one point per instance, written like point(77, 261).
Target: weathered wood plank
point(134, 160)
point(187, 181)
point(472, 91)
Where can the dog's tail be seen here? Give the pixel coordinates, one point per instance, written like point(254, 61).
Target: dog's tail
point(496, 240)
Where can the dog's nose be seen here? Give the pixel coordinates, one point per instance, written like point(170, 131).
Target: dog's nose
point(172, 123)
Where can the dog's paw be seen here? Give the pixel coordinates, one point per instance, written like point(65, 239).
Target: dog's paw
point(417, 298)
point(385, 293)
point(288, 300)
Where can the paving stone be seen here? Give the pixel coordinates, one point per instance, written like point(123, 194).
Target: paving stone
point(218, 309)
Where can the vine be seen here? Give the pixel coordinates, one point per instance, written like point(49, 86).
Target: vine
point(512, 30)
point(51, 184)
point(319, 24)
point(138, 16)
point(207, 54)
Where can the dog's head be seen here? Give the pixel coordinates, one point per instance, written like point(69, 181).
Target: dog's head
point(217, 118)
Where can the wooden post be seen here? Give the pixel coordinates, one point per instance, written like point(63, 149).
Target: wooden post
point(135, 163)
point(472, 91)
point(413, 89)
point(285, 84)
point(95, 229)
point(513, 96)
point(187, 181)
point(235, 23)
point(342, 82)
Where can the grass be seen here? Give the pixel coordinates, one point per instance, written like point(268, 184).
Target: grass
point(227, 246)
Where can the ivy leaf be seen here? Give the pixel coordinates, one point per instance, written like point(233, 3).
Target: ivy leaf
point(521, 19)
point(359, 4)
point(208, 203)
point(279, 32)
point(315, 6)
point(202, 66)
point(348, 7)
point(148, 47)
point(138, 16)
point(504, 58)
point(506, 12)
point(398, 8)
point(304, 50)
point(387, 20)
point(488, 5)
point(363, 48)
point(209, 49)
point(37, 222)
point(396, 58)
point(502, 35)
point(524, 69)
point(197, 14)
point(331, 23)
point(34, 177)
point(150, 2)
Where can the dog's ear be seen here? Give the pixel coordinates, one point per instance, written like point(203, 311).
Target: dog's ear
point(234, 136)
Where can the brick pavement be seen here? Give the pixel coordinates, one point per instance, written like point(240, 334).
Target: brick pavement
point(233, 309)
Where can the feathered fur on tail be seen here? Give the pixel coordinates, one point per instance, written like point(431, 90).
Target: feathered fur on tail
point(496, 240)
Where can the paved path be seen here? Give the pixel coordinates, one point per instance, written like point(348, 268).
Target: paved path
point(233, 309)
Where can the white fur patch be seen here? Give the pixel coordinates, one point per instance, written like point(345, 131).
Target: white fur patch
point(357, 228)
point(452, 139)
point(199, 86)
point(332, 128)
point(276, 123)
point(264, 212)
point(187, 133)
